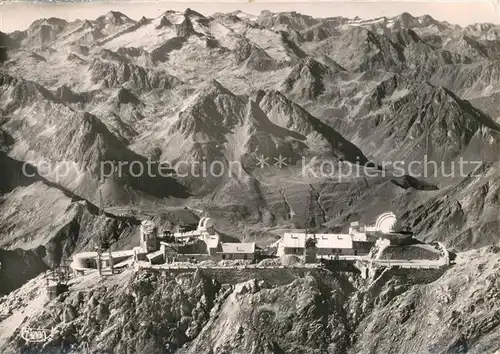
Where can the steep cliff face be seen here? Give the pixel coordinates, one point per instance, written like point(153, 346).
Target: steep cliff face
point(41, 227)
point(404, 121)
point(454, 310)
point(42, 224)
point(454, 217)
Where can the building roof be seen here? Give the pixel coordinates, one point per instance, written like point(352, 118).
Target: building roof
point(187, 234)
point(333, 241)
point(358, 236)
point(298, 240)
point(235, 247)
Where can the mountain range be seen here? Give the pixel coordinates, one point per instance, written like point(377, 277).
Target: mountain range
point(185, 90)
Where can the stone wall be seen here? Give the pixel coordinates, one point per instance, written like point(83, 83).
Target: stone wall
point(272, 276)
point(235, 275)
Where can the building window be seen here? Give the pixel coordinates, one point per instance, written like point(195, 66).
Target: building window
point(245, 256)
point(223, 256)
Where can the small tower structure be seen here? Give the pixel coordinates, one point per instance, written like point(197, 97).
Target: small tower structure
point(310, 251)
point(57, 280)
point(149, 236)
point(99, 262)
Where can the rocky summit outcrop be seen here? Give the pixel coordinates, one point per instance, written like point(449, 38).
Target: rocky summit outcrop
point(116, 74)
point(306, 80)
point(411, 311)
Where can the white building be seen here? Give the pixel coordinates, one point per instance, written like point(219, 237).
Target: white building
point(357, 242)
point(187, 245)
point(149, 234)
point(206, 226)
point(327, 245)
point(233, 250)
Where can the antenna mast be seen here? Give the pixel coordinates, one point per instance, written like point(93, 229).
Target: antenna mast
point(310, 213)
point(101, 203)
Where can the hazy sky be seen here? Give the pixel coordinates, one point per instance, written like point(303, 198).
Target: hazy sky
point(19, 15)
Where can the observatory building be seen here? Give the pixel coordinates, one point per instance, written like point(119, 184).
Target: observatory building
point(357, 242)
point(205, 243)
point(149, 236)
point(388, 227)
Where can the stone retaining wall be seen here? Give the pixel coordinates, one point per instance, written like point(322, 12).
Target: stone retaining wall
point(235, 275)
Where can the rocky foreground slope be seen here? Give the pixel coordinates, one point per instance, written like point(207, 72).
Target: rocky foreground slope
point(392, 311)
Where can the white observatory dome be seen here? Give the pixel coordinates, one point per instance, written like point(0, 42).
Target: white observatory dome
point(147, 226)
point(206, 223)
point(387, 223)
